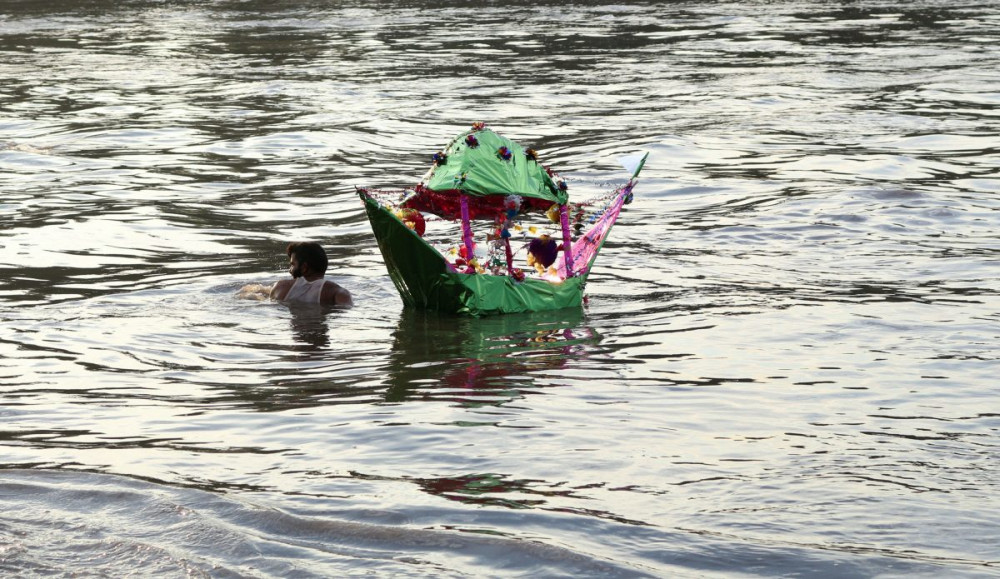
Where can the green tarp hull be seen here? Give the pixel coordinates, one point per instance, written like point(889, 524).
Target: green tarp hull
point(424, 280)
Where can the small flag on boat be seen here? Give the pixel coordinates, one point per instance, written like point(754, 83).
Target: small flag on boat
point(633, 163)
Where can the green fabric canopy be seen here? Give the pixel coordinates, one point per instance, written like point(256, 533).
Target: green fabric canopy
point(482, 169)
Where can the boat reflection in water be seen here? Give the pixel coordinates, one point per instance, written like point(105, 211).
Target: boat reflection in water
point(482, 361)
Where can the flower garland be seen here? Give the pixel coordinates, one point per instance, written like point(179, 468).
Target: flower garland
point(512, 205)
point(500, 255)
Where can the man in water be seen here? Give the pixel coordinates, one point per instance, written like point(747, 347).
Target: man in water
point(307, 264)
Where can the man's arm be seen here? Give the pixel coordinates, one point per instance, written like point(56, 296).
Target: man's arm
point(254, 291)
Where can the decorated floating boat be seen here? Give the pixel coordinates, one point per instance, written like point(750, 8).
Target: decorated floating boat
point(491, 230)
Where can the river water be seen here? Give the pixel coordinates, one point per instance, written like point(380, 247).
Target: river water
point(787, 364)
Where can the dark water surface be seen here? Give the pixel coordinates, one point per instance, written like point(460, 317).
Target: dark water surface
point(787, 366)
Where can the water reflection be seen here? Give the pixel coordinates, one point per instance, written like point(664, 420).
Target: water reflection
point(481, 360)
point(501, 490)
point(309, 325)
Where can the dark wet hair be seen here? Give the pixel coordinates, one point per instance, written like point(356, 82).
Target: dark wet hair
point(311, 253)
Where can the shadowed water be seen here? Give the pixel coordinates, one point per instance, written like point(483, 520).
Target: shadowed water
point(786, 365)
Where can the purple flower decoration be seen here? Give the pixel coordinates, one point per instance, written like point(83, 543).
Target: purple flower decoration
point(504, 153)
point(544, 250)
point(472, 141)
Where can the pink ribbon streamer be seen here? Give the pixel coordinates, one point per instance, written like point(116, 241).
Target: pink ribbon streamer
point(567, 239)
point(467, 230)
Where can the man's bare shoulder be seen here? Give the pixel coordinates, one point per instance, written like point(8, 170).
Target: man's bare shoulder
point(335, 294)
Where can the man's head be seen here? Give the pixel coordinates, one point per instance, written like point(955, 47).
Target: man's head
point(306, 258)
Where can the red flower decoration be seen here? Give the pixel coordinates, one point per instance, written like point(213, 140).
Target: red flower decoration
point(478, 126)
point(414, 220)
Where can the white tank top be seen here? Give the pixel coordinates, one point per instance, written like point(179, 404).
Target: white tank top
point(305, 291)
